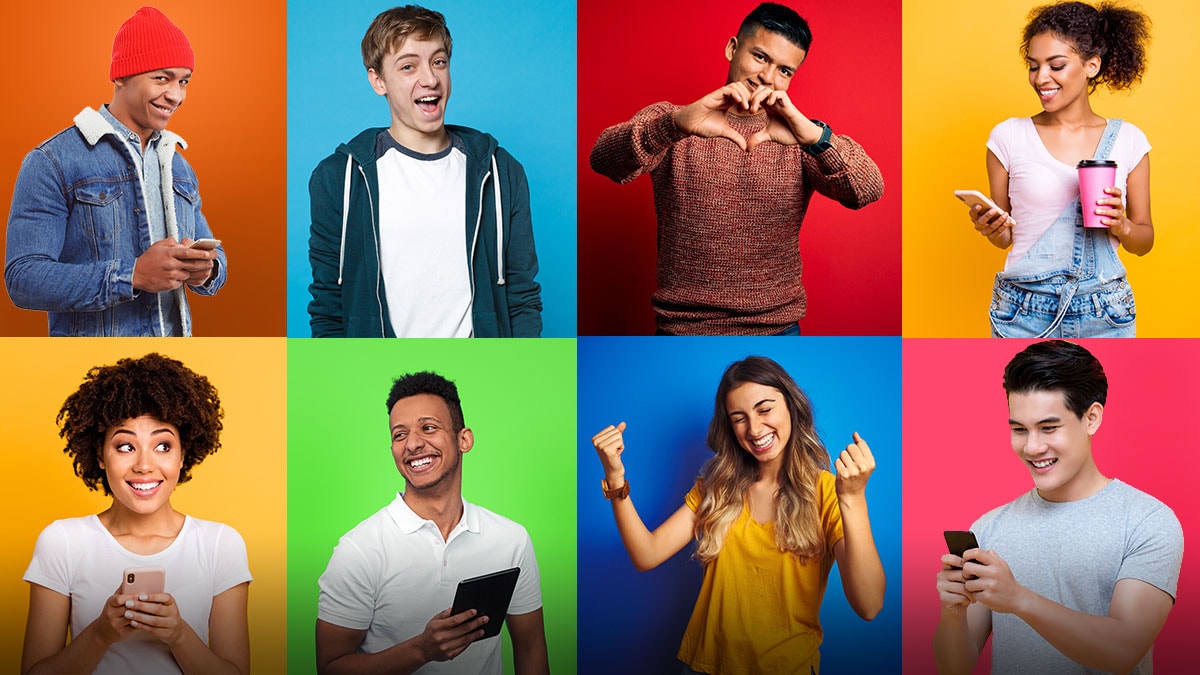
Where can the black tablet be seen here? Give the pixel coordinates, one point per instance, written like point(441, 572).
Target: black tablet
point(488, 594)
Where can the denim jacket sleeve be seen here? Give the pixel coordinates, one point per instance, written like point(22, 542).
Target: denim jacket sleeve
point(520, 262)
point(188, 197)
point(35, 272)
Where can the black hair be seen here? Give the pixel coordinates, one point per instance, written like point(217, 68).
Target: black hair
point(153, 385)
point(426, 382)
point(777, 19)
point(1119, 35)
point(1058, 365)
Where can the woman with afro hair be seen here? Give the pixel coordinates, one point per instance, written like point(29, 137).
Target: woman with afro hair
point(1061, 279)
point(769, 521)
point(136, 430)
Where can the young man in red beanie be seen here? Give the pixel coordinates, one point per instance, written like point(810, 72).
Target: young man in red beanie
point(104, 213)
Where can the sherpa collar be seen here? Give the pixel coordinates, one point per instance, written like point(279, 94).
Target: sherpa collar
point(93, 126)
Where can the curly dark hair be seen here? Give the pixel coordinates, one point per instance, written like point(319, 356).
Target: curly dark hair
point(152, 385)
point(426, 382)
point(1117, 34)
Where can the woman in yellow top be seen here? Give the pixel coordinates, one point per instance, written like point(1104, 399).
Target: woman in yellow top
point(769, 520)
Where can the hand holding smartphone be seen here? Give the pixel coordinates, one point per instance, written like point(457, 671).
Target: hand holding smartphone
point(139, 580)
point(960, 541)
point(973, 198)
point(205, 244)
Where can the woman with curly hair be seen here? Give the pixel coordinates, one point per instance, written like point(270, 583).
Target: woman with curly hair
point(1061, 279)
point(136, 430)
point(769, 521)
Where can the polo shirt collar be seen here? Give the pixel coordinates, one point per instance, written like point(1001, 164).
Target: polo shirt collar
point(409, 522)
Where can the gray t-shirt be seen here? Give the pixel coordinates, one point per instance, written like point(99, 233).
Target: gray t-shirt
point(1074, 553)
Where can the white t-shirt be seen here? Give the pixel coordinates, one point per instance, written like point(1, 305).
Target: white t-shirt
point(79, 558)
point(393, 572)
point(1039, 186)
point(423, 239)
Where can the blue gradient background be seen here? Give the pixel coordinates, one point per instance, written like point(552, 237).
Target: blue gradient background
point(512, 75)
point(632, 623)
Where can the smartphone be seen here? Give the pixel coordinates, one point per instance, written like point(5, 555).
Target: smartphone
point(973, 198)
point(205, 244)
point(138, 580)
point(959, 542)
point(488, 594)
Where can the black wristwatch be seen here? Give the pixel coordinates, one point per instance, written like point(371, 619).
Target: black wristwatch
point(823, 144)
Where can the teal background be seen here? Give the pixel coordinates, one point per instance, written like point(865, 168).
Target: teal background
point(513, 76)
point(519, 398)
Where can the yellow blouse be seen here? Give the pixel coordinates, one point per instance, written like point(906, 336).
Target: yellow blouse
point(758, 609)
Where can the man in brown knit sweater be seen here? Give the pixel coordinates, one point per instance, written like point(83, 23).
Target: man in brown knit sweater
point(733, 173)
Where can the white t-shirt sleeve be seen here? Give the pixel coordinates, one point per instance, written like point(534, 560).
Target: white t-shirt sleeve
point(527, 596)
point(1000, 142)
point(1132, 145)
point(231, 566)
point(347, 596)
point(1154, 551)
point(51, 564)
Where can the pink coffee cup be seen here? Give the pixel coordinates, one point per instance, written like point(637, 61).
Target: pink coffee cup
point(1094, 176)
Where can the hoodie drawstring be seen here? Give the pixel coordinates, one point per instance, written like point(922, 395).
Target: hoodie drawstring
point(345, 218)
point(499, 223)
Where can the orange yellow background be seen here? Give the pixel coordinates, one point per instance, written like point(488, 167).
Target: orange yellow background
point(242, 485)
point(56, 57)
point(963, 74)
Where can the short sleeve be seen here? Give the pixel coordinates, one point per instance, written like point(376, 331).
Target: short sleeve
point(1133, 146)
point(693, 497)
point(232, 566)
point(831, 513)
point(527, 596)
point(51, 565)
point(347, 598)
point(1000, 142)
point(1154, 551)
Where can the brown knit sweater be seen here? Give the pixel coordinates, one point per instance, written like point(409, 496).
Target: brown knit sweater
point(728, 220)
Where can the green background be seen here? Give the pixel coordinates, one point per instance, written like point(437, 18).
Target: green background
point(519, 398)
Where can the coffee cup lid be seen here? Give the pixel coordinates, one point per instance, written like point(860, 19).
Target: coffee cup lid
point(1086, 163)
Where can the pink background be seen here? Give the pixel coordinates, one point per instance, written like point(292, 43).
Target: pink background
point(958, 462)
point(634, 53)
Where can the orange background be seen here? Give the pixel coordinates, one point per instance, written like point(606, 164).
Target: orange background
point(242, 485)
point(56, 57)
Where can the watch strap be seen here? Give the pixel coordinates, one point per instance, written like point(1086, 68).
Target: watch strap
point(614, 493)
point(823, 143)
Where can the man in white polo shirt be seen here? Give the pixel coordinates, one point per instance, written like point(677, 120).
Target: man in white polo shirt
point(385, 596)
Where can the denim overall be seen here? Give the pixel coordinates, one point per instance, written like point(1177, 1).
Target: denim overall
point(1070, 283)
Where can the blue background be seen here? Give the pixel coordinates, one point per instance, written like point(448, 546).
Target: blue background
point(663, 389)
point(512, 75)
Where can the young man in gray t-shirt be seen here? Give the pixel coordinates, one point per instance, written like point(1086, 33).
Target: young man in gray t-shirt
point(1077, 575)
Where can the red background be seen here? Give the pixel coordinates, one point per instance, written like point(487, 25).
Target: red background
point(634, 53)
point(57, 56)
point(959, 464)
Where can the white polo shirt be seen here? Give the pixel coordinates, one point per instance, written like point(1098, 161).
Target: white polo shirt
point(393, 572)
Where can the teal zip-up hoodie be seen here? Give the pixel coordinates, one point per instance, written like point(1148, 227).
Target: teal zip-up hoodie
point(348, 298)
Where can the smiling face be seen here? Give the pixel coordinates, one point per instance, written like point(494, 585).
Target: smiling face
point(415, 78)
point(146, 102)
point(427, 450)
point(763, 58)
point(760, 420)
point(141, 460)
point(1058, 74)
point(1055, 444)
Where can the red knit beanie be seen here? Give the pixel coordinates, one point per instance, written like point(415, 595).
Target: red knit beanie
point(149, 41)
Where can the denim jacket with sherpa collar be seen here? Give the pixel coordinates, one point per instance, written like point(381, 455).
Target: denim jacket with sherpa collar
point(78, 223)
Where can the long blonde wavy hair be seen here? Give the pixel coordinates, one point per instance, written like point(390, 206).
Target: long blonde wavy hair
point(726, 477)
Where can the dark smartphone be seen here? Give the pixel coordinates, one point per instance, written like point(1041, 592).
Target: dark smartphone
point(959, 542)
point(488, 594)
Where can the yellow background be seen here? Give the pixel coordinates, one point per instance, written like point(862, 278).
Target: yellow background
point(963, 74)
point(242, 485)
